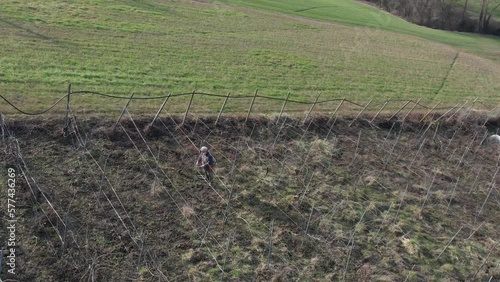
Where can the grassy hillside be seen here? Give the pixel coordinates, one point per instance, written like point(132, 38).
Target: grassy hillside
point(359, 14)
point(363, 203)
point(475, 7)
point(158, 47)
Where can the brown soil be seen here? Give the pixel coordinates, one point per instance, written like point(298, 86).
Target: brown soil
point(360, 200)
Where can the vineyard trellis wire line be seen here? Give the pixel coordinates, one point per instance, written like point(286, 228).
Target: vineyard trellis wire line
point(109, 183)
point(115, 210)
point(301, 132)
point(34, 188)
point(187, 137)
point(170, 181)
point(382, 222)
point(215, 150)
point(195, 93)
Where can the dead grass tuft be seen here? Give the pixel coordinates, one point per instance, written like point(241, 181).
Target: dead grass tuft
point(155, 189)
point(188, 211)
point(370, 180)
point(281, 276)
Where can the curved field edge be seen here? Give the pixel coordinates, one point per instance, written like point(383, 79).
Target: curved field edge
point(358, 200)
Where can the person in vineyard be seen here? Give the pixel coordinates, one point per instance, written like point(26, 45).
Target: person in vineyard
point(206, 162)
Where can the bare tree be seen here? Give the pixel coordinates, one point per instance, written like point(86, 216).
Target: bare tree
point(462, 18)
point(443, 14)
point(488, 7)
point(490, 14)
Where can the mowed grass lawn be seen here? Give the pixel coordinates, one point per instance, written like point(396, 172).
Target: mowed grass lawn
point(153, 48)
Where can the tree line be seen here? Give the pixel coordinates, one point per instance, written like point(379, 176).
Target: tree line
point(446, 14)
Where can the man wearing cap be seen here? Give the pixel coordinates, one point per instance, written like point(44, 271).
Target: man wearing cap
point(206, 161)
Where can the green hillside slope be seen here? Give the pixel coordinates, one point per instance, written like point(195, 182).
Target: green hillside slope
point(153, 48)
point(358, 14)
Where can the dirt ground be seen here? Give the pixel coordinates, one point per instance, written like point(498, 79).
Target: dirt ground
point(322, 200)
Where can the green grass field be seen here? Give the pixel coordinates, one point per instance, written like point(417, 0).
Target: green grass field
point(155, 48)
point(354, 13)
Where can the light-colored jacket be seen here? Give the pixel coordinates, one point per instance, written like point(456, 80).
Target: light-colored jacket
point(204, 160)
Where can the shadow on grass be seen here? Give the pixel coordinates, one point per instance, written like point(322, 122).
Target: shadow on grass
point(312, 8)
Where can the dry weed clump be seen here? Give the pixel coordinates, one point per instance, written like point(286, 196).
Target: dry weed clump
point(155, 189)
point(188, 211)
